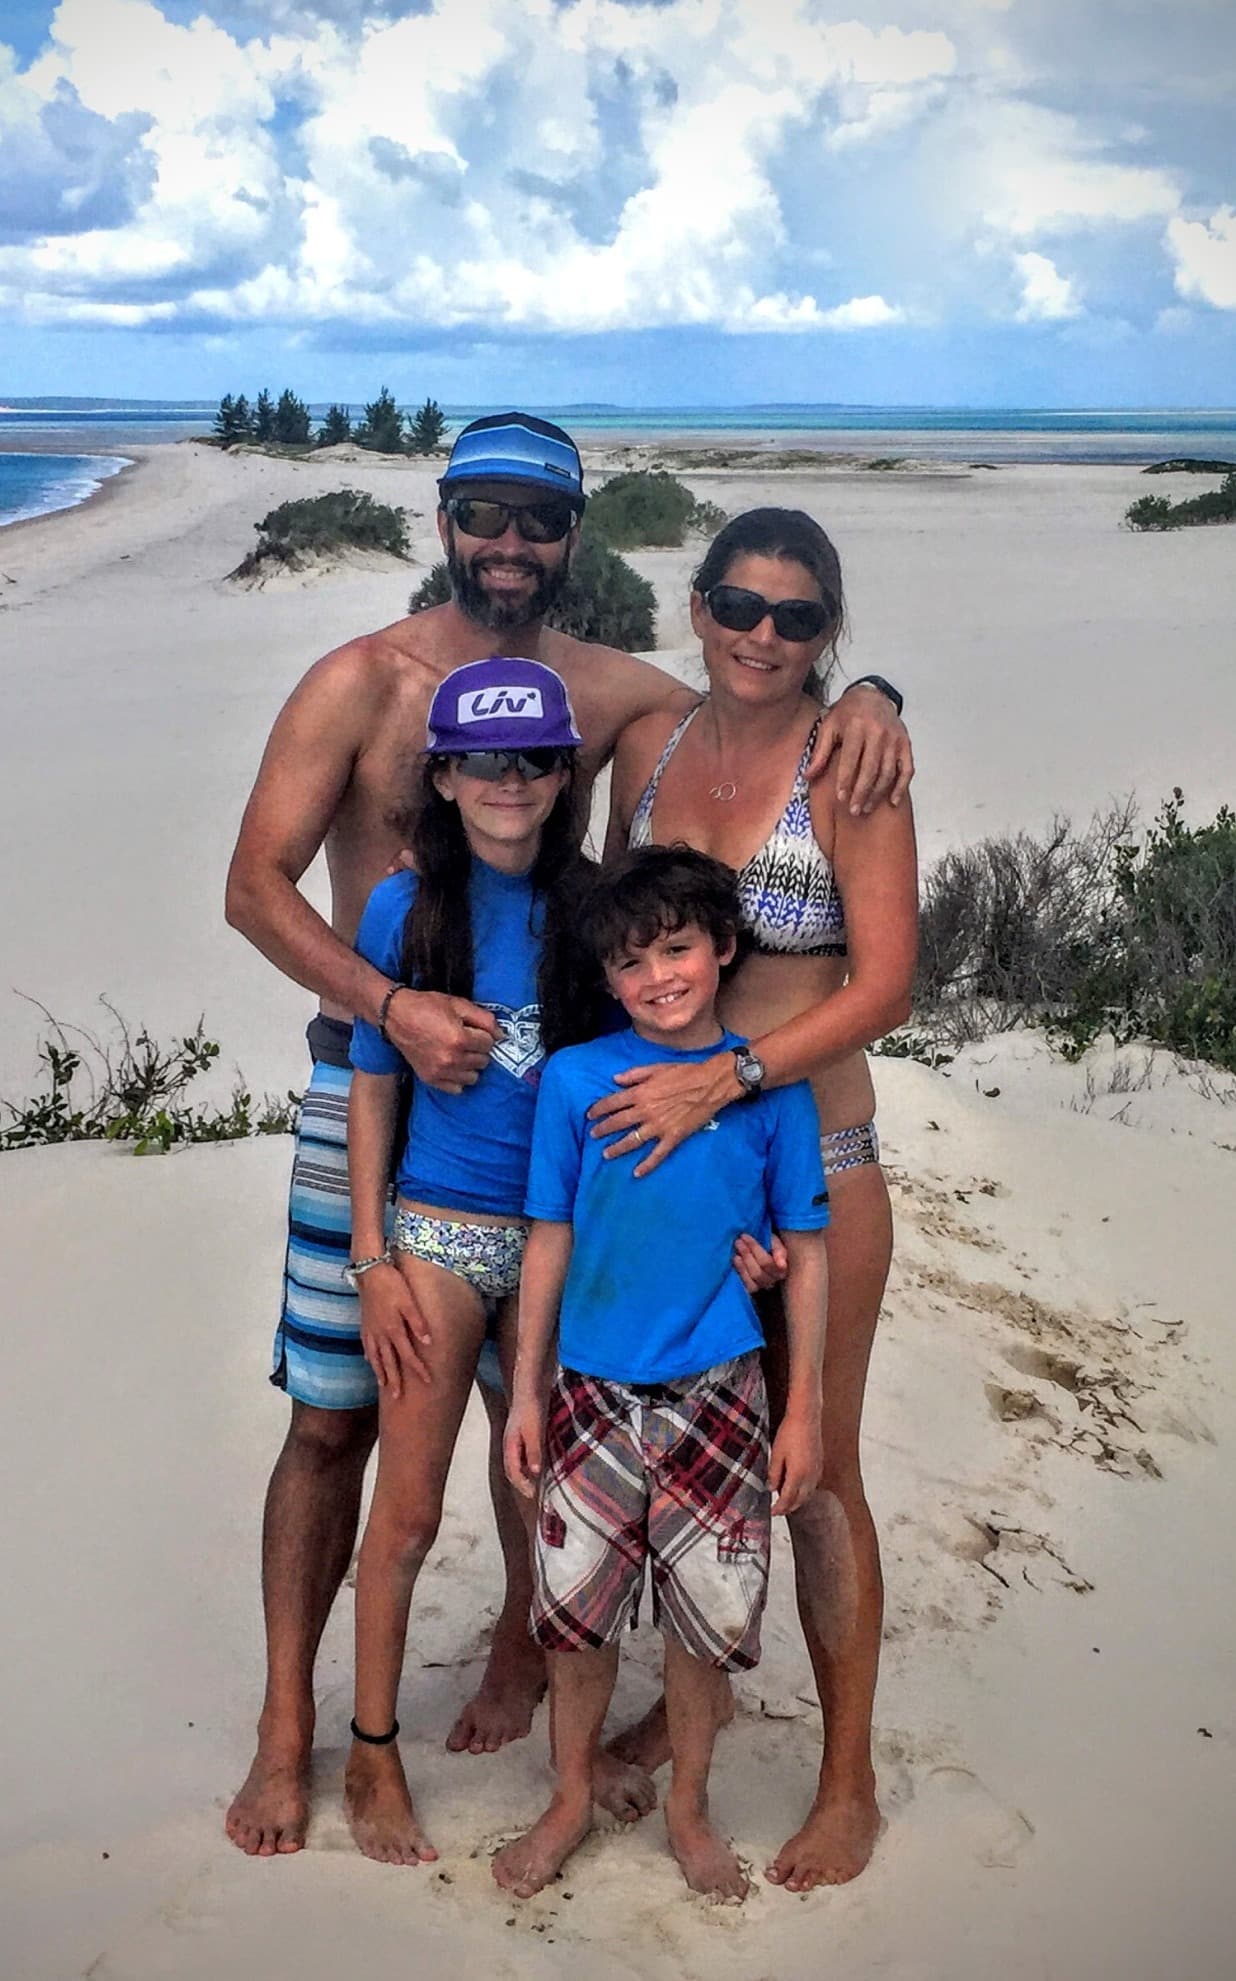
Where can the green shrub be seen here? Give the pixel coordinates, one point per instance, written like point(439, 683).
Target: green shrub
point(1155, 512)
point(1149, 512)
point(133, 1092)
point(1168, 968)
point(1010, 925)
point(1189, 464)
point(603, 599)
point(650, 509)
point(344, 519)
point(1088, 932)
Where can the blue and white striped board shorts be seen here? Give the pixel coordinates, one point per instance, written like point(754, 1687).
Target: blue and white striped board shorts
point(318, 1358)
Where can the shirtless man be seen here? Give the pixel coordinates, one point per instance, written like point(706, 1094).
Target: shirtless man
point(337, 771)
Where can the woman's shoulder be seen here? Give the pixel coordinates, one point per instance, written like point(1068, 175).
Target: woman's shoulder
point(643, 740)
point(640, 748)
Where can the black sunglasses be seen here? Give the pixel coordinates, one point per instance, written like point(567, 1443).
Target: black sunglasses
point(536, 522)
point(491, 766)
point(741, 611)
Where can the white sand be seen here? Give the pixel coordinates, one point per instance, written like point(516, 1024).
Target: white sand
point(1060, 1617)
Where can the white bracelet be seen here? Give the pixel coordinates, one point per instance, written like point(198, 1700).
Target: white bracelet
point(357, 1268)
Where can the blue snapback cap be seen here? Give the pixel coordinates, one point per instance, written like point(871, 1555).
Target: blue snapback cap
point(516, 447)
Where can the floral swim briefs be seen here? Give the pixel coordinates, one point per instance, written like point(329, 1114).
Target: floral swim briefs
point(674, 1474)
point(487, 1256)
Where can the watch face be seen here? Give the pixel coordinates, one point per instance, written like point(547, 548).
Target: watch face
point(750, 1070)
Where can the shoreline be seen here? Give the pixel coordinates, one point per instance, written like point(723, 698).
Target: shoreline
point(131, 459)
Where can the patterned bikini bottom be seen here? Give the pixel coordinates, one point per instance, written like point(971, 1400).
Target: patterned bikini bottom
point(487, 1256)
point(849, 1148)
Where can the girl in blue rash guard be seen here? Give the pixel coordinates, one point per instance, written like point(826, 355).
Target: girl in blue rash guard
point(489, 916)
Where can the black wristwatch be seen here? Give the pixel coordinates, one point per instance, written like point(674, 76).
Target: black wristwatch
point(749, 1069)
point(895, 695)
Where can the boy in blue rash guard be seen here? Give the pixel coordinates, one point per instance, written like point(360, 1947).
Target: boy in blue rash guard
point(489, 915)
point(652, 1443)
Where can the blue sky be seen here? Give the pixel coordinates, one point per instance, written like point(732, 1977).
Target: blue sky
point(988, 202)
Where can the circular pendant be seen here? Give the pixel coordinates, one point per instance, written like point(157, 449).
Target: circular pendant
point(724, 792)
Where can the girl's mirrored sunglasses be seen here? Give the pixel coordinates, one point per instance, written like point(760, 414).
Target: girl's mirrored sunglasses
point(491, 766)
point(536, 522)
point(741, 611)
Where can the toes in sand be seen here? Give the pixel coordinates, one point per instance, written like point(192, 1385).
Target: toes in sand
point(833, 1846)
point(502, 1707)
point(622, 1788)
point(270, 1812)
point(535, 1859)
point(379, 1809)
point(706, 1860)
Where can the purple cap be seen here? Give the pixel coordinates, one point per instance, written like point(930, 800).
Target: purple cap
point(501, 704)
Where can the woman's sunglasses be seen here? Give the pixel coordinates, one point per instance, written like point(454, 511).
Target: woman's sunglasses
point(491, 766)
point(741, 611)
point(536, 522)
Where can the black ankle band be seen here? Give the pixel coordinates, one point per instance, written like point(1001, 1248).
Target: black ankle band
point(376, 1739)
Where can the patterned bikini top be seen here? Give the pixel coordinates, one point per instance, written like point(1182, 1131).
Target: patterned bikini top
point(789, 895)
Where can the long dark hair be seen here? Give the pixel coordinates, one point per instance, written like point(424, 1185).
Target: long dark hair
point(437, 935)
point(789, 533)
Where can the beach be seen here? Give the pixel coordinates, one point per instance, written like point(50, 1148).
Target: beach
point(1052, 1408)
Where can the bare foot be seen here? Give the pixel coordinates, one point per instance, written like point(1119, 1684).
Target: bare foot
point(533, 1860)
point(645, 1743)
point(501, 1709)
point(704, 1858)
point(622, 1788)
point(270, 1812)
point(379, 1807)
point(834, 1844)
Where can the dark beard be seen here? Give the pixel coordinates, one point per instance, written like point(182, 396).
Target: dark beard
point(501, 615)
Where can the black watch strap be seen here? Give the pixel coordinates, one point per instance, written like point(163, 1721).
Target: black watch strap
point(895, 695)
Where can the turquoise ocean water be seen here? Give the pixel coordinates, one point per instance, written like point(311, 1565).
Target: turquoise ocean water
point(38, 484)
point(51, 449)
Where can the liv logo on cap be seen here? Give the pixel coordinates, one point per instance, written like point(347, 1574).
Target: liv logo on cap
point(501, 704)
point(482, 704)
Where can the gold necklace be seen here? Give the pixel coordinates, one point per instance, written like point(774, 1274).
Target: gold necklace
point(724, 792)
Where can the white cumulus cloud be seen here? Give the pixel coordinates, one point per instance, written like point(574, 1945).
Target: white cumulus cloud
point(1205, 256)
point(575, 166)
point(1045, 293)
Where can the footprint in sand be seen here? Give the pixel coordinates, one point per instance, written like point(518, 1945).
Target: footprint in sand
point(955, 1800)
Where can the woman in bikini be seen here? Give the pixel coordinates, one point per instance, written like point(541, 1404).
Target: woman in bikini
point(830, 900)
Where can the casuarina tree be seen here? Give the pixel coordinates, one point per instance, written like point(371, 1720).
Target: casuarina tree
point(426, 428)
point(291, 420)
point(381, 429)
point(335, 428)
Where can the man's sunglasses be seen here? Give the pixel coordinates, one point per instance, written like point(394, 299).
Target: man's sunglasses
point(536, 522)
point(491, 766)
point(741, 611)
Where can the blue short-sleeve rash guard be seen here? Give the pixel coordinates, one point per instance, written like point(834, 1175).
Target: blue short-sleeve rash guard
point(468, 1151)
point(651, 1293)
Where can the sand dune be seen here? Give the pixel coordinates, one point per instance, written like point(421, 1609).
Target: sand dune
point(1053, 1399)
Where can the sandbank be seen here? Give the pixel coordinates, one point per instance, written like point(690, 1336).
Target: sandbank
point(1053, 1400)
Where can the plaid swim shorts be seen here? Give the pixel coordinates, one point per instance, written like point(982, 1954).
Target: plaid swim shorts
point(675, 1474)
